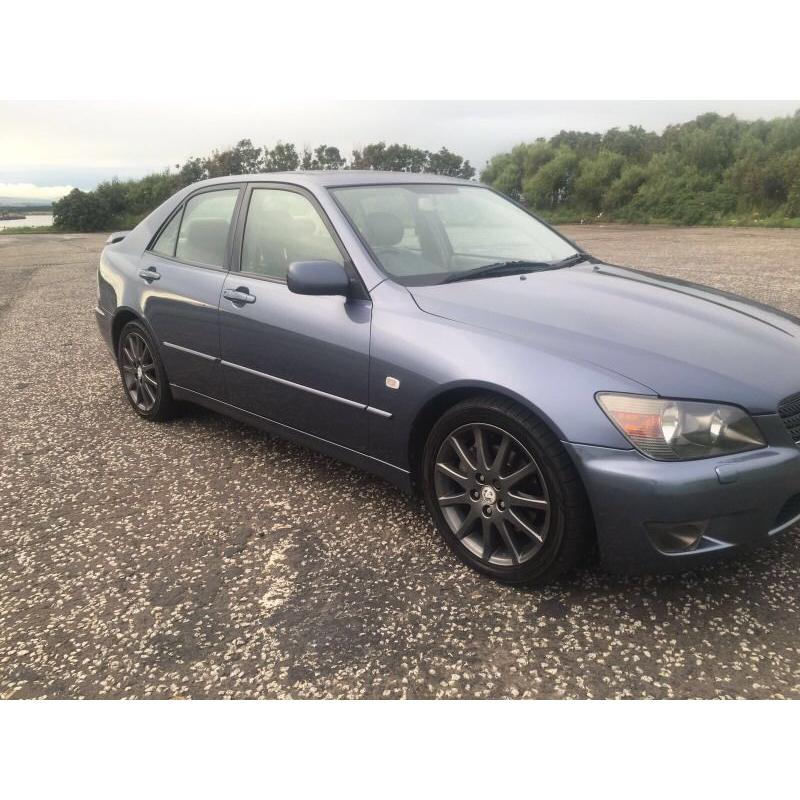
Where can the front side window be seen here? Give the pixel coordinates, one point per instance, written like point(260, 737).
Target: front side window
point(281, 227)
point(203, 236)
point(426, 233)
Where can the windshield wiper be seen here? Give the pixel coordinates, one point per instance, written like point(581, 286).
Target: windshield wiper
point(502, 268)
point(570, 261)
point(497, 270)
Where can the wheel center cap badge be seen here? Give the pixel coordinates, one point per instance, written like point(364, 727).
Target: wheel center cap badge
point(488, 495)
point(139, 373)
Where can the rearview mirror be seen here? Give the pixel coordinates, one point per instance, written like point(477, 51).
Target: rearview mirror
point(317, 277)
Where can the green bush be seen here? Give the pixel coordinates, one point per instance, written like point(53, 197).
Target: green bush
point(712, 170)
point(82, 211)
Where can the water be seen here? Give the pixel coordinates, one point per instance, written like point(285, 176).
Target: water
point(32, 220)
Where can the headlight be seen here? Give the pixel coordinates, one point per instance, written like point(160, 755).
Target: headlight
point(678, 430)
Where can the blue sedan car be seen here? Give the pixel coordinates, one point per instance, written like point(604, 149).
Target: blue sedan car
point(430, 330)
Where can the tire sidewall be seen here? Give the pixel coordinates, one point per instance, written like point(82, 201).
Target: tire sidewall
point(542, 562)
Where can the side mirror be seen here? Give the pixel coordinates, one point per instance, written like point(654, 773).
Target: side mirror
point(317, 277)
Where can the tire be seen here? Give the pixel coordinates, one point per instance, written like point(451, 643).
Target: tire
point(529, 498)
point(144, 380)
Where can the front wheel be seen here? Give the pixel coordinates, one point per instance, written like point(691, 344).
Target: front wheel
point(504, 493)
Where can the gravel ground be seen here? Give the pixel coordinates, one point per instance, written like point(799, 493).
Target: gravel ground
point(177, 560)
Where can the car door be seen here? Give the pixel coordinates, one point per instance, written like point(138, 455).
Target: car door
point(184, 270)
point(299, 360)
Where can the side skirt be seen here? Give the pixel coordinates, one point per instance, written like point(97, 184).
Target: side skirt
point(396, 475)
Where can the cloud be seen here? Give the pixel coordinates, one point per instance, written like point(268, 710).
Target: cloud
point(30, 191)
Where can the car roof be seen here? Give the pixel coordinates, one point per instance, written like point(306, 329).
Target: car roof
point(333, 178)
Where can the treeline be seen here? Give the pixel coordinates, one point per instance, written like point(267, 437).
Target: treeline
point(122, 204)
point(713, 170)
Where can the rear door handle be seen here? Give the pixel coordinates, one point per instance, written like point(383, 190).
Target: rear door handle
point(239, 296)
point(149, 274)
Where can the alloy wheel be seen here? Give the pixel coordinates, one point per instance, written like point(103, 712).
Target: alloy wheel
point(139, 372)
point(492, 494)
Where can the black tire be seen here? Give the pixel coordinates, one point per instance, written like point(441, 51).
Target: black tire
point(551, 505)
point(144, 380)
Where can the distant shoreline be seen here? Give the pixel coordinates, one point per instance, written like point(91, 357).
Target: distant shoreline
point(23, 221)
point(8, 208)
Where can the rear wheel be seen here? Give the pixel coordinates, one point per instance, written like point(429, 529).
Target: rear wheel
point(504, 493)
point(143, 376)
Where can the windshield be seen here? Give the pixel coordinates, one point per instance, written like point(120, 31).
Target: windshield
point(428, 233)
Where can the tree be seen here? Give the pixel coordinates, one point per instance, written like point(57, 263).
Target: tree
point(368, 158)
point(622, 190)
point(446, 163)
point(394, 158)
point(147, 193)
point(595, 175)
point(791, 168)
point(113, 195)
point(550, 186)
point(323, 157)
point(504, 173)
point(635, 144)
point(81, 211)
point(250, 158)
point(584, 144)
point(242, 159)
point(282, 158)
point(704, 171)
point(192, 171)
point(404, 158)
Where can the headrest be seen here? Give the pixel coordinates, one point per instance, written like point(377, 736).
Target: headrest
point(274, 222)
point(203, 230)
point(383, 230)
point(206, 240)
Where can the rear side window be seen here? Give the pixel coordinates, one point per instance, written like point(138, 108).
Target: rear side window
point(205, 226)
point(168, 238)
point(283, 227)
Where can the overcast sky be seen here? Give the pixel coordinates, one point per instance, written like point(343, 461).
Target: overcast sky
point(48, 147)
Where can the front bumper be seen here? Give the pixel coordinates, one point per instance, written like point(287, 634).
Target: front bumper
point(741, 501)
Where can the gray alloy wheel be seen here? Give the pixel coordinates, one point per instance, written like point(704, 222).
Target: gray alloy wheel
point(143, 376)
point(139, 372)
point(492, 494)
point(503, 492)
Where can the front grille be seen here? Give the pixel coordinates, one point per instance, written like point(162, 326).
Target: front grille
point(789, 411)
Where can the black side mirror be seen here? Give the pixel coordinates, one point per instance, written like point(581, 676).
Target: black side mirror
point(317, 277)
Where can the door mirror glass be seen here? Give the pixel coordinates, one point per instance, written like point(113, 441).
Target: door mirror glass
point(317, 277)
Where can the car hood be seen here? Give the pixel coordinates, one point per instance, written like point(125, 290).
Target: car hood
point(676, 338)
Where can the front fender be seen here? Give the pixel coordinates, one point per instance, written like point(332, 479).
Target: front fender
point(429, 356)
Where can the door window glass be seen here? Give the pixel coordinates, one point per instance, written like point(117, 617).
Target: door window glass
point(165, 244)
point(283, 227)
point(204, 230)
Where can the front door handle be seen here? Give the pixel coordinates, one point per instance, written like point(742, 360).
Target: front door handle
point(149, 274)
point(239, 296)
